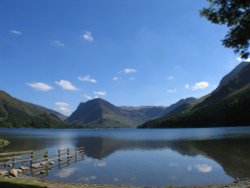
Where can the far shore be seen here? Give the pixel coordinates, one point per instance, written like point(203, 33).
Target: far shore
point(29, 182)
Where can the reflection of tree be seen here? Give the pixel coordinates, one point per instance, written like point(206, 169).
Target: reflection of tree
point(232, 154)
point(18, 143)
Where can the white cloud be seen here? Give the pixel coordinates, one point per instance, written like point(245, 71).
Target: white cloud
point(57, 43)
point(170, 77)
point(241, 60)
point(197, 86)
point(115, 78)
point(66, 172)
point(203, 168)
point(40, 86)
point(67, 85)
point(129, 70)
point(100, 94)
point(187, 86)
point(87, 79)
point(87, 35)
point(171, 90)
point(88, 97)
point(15, 32)
point(62, 107)
point(200, 86)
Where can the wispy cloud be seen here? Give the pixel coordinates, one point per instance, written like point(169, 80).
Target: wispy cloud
point(187, 86)
point(87, 36)
point(243, 60)
point(129, 70)
point(67, 85)
point(62, 107)
point(57, 43)
point(170, 77)
point(100, 94)
point(115, 78)
point(131, 78)
point(197, 86)
point(88, 97)
point(87, 79)
point(16, 32)
point(40, 86)
point(171, 90)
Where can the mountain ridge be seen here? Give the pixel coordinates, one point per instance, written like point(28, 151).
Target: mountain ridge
point(227, 105)
point(98, 113)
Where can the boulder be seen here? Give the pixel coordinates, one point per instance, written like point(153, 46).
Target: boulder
point(3, 172)
point(51, 162)
point(36, 165)
point(14, 172)
point(24, 168)
point(44, 163)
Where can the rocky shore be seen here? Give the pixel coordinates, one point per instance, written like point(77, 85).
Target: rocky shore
point(29, 182)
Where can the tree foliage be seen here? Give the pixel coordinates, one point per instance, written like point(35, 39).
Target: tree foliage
point(235, 14)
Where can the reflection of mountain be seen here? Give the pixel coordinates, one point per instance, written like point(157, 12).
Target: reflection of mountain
point(231, 154)
point(101, 147)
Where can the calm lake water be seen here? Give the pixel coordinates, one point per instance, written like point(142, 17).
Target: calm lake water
point(143, 157)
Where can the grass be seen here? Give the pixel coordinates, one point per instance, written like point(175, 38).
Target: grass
point(3, 142)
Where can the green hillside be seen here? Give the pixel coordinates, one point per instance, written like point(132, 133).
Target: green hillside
point(228, 105)
point(17, 113)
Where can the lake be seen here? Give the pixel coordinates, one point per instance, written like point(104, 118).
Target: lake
point(153, 157)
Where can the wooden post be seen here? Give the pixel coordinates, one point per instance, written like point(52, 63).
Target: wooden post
point(46, 156)
point(31, 158)
point(68, 158)
point(59, 155)
point(75, 154)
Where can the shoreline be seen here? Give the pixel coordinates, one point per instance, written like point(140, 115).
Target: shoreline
point(30, 182)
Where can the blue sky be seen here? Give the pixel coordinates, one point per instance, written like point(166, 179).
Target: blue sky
point(130, 52)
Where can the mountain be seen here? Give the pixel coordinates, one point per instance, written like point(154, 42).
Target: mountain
point(98, 113)
point(227, 105)
point(17, 113)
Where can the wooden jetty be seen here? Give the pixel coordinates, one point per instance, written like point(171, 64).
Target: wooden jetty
point(38, 163)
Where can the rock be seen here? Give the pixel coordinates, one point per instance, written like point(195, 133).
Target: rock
point(14, 172)
point(51, 162)
point(43, 172)
point(36, 165)
point(44, 163)
point(236, 180)
point(24, 168)
point(3, 172)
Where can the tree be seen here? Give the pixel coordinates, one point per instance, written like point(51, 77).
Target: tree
point(235, 14)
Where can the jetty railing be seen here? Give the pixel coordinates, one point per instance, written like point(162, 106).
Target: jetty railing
point(39, 159)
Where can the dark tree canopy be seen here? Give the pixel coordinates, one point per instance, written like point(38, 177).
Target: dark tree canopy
point(235, 14)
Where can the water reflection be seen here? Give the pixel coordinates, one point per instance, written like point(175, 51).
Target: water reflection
point(171, 154)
